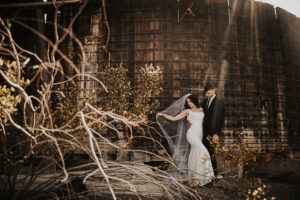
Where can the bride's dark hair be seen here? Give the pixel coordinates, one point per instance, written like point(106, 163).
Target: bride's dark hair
point(193, 99)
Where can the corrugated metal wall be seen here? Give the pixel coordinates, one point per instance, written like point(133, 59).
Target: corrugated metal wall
point(249, 51)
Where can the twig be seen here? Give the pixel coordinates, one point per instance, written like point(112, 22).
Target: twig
point(186, 12)
point(35, 4)
point(107, 26)
point(60, 154)
point(18, 126)
point(50, 43)
point(95, 156)
point(24, 94)
point(73, 77)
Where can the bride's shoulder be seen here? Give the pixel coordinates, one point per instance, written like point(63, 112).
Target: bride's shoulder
point(201, 109)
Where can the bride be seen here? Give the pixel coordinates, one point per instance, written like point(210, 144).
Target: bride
point(173, 122)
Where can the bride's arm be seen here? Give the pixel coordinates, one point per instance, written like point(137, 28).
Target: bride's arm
point(176, 118)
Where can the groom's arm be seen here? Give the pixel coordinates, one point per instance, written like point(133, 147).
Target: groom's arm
point(218, 117)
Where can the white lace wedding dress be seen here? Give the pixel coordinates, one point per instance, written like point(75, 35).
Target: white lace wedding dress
point(199, 162)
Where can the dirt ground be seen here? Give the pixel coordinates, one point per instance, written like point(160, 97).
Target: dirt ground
point(277, 179)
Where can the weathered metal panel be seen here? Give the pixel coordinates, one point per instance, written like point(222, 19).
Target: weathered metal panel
point(246, 49)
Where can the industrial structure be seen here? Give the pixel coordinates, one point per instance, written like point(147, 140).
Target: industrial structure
point(248, 50)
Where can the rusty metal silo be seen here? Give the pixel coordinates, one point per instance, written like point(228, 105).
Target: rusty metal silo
point(239, 46)
point(289, 33)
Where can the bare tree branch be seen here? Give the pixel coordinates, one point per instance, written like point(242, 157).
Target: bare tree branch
point(34, 4)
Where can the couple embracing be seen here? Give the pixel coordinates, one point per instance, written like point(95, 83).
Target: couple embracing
point(190, 129)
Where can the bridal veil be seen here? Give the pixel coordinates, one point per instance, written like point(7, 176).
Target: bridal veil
point(175, 133)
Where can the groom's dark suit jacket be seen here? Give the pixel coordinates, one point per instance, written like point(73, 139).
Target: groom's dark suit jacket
point(213, 117)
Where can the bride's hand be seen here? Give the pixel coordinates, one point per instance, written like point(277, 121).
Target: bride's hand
point(159, 115)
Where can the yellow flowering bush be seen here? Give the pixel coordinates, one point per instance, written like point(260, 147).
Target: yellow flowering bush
point(132, 99)
point(147, 87)
point(117, 99)
point(66, 104)
point(9, 99)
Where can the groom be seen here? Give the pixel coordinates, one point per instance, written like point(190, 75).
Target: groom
point(213, 108)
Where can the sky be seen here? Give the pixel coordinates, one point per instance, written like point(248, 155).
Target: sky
point(292, 6)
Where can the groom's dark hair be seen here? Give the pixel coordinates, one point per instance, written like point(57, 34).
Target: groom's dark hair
point(208, 86)
point(193, 99)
